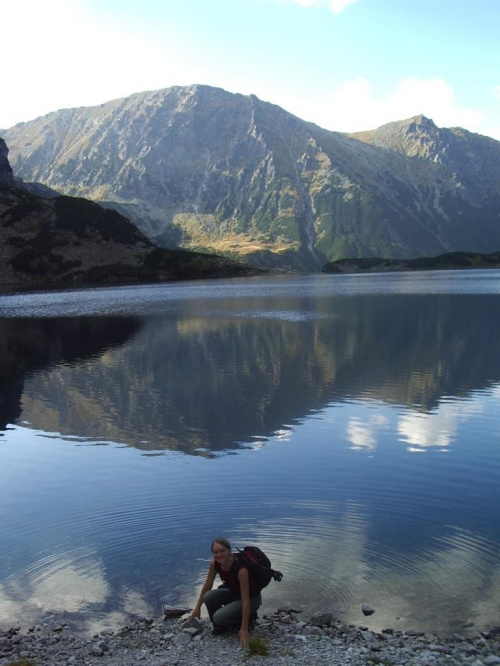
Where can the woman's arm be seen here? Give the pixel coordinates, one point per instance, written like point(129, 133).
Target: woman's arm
point(245, 603)
point(207, 585)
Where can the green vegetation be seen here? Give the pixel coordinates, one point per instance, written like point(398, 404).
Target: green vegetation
point(450, 260)
point(32, 261)
point(256, 646)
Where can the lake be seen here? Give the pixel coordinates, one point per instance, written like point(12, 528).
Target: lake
point(348, 425)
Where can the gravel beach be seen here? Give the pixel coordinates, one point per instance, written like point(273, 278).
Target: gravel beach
point(291, 640)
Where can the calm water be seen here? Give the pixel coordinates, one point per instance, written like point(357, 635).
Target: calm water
point(349, 425)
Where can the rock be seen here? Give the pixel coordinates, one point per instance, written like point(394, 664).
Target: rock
point(192, 631)
point(321, 619)
point(195, 623)
point(6, 175)
point(366, 609)
point(313, 630)
point(182, 639)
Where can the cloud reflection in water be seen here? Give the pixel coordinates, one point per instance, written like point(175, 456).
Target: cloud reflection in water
point(70, 582)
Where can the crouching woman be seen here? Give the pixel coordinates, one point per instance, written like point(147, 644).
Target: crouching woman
point(232, 604)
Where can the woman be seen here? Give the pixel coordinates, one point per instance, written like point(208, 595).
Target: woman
point(232, 603)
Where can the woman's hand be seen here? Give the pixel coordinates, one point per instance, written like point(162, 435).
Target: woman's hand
point(243, 637)
point(196, 613)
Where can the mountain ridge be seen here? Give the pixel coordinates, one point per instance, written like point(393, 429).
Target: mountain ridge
point(48, 239)
point(205, 169)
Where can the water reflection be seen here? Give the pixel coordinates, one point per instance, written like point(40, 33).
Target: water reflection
point(64, 584)
point(201, 384)
point(321, 395)
point(27, 345)
point(332, 560)
point(438, 428)
point(60, 582)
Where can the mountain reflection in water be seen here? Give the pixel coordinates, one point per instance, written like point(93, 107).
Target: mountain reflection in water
point(201, 384)
point(29, 345)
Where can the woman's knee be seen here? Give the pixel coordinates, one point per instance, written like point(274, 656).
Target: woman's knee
point(228, 616)
point(209, 596)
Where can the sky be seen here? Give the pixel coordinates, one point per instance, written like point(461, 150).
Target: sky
point(346, 65)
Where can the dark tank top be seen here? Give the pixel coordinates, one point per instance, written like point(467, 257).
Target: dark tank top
point(230, 578)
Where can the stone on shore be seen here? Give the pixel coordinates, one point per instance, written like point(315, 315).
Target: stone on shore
point(321, 641)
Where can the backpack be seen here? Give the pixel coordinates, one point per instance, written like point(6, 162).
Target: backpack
point(259, 567)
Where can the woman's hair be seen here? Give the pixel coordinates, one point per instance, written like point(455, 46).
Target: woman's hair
point(221, 541)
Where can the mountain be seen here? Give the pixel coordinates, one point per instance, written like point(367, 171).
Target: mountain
point(6, 175)
point(60, 239)
point(202, 168)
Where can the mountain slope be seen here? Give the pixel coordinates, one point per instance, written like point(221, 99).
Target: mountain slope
point(63, 239)
point(203, 168)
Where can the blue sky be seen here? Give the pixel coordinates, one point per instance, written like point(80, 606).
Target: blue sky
point(346, 65)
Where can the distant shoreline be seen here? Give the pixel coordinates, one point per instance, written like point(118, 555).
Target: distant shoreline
point(448, 261)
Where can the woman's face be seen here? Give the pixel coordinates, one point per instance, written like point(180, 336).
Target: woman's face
point(220, 552)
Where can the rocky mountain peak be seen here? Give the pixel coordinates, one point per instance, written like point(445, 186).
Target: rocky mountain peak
point(6, 175)
point(418, 136)
point(202, 168)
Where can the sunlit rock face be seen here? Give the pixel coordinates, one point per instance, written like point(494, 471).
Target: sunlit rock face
point(201, 168)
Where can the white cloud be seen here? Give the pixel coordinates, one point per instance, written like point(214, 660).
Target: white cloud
point(437, 429)
point(336, 6)
point(72, 58)
point(428, 430)
point(496, 91)
point(361, 434)
point(339, 5)
point(70, 581)
point(66, 586)
point(355, 106)
point(355, 101)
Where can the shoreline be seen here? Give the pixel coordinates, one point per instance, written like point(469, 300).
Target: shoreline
point(320, 640)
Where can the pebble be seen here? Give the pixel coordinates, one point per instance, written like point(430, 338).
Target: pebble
point(321, 640)
point(366, 609)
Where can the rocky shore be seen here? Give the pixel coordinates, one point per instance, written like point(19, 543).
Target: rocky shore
point(320, 640)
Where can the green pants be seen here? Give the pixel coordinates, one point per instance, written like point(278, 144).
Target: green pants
point(225, 608)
